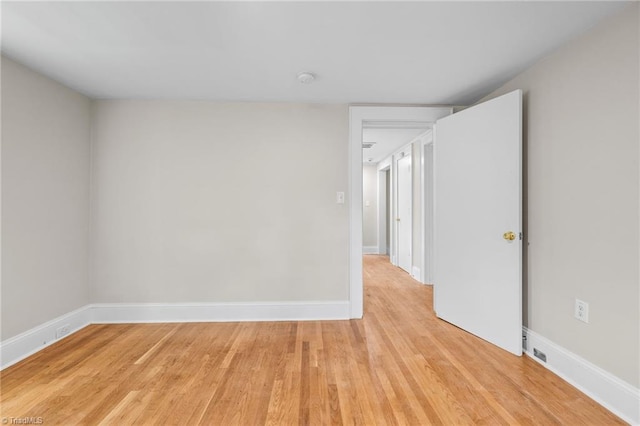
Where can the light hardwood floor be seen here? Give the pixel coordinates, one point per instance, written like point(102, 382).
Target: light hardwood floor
point(399, 365)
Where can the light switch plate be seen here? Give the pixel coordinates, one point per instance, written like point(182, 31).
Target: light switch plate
point(340, 197)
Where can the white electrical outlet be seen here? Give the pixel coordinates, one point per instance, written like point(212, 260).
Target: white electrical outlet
point(63, 331)
point(582, 311)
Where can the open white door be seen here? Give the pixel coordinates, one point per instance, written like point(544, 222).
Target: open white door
point(478, 199)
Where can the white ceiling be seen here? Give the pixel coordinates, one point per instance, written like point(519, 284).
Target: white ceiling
point(362, 52)
point(387, 141)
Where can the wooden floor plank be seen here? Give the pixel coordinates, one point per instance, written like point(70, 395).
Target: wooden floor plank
point(399, 365)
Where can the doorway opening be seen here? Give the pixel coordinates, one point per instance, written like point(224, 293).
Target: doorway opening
point(364, 120)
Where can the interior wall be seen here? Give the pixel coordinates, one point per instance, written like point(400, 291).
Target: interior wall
point(219, 202)
point(581, 109)
point(416, 207)
point(370, 211)
point(45, 199)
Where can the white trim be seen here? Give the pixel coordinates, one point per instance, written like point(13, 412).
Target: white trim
point(617, 396)
point(106, 313)
point(370, 250)
point(415, 273)
point(28, 343)
point(31, 341)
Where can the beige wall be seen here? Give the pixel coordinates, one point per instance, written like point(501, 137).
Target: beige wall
point(370, 212)
point(45, 199)
point(215, 202)
point(581, 117)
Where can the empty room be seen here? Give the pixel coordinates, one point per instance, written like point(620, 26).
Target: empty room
point(390, 213)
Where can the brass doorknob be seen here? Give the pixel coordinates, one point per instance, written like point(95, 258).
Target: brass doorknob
point(509, 236)
point(398, 220)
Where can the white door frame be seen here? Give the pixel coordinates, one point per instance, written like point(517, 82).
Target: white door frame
point(426, 178)
point(358, 117)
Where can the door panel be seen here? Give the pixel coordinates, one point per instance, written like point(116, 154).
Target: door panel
point(478, 184)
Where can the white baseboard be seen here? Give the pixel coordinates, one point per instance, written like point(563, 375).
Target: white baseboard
point(370, 250)
point(614, 394)
point(415, 273)
point(218, 312)
point(28, 343)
